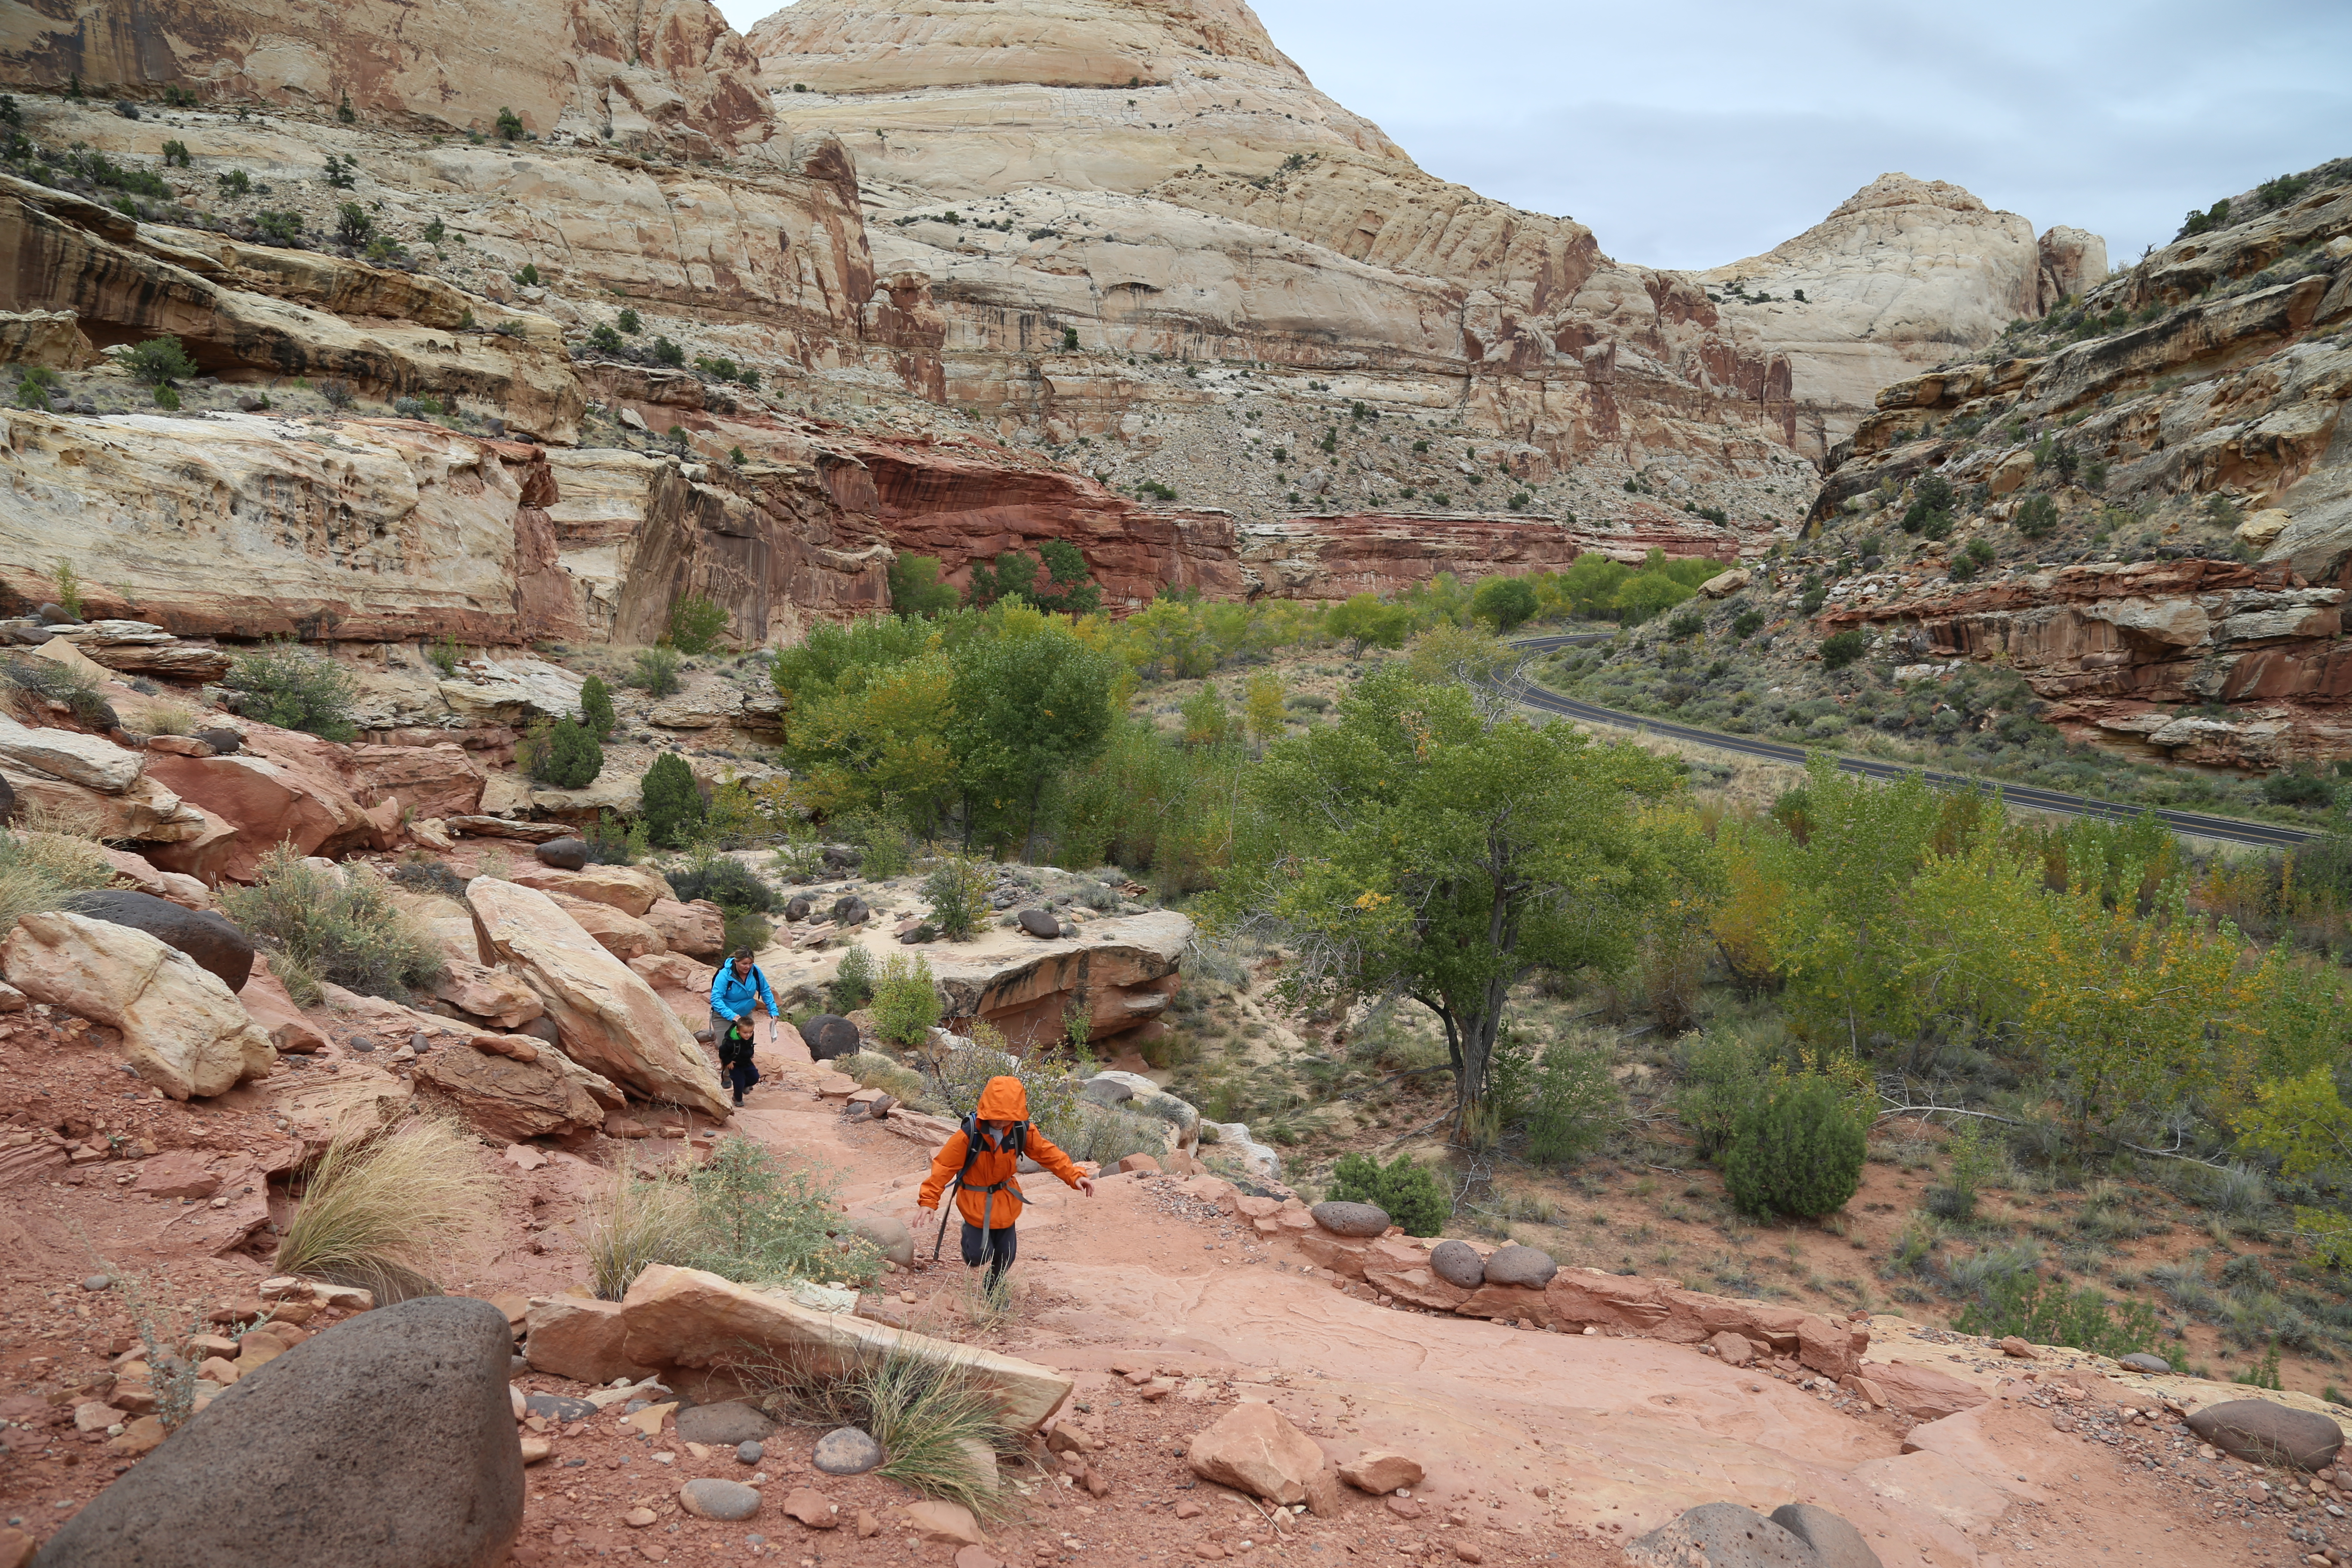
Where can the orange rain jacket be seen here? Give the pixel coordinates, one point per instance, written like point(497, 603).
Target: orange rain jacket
point(1003, 1101)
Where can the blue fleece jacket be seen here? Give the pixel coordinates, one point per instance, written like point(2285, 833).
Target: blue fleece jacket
point(733, 998)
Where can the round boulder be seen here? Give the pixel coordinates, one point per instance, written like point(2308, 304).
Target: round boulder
point(1458, 1263)
point(1525, 1266)
point(385, 1444)
point(1039, 922)
point(2269, 1434)
point(1107, 1091)
point(798, 906)
point(209, 939)
point(839, 858)
point(564, 854)
point(1727, 1535)
point(58, 616)
point(1834, 1542)
point(2140, 1361)
point(708, 1498)
point(849, 910)
point(830, 1037)
point(846, 1451)
point(1351, 1219)
point(224, 743)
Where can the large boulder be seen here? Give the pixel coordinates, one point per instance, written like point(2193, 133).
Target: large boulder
point(829, 1037)
point(2269, 1432)
point(181, 1027)
point(579, 1338)
point(562, 853)
point(430, 781)
point(92, 762)
point(387, 1442)
point(217, 946)
point(686, 1318)
point(605, 1014)
point(1722, 1535)
point(1836, 1543)
point(623, 936)
point(284, 787)
point(513, 1088)
point(1123, 970)
point(493, 995)
point(698, 929)
point(1255, 1448)
point(1921, 1392)
point(632, 889)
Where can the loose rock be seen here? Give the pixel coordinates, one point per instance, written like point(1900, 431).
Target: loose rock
point(2139, 1361)
point(1255, 1448)
point(564, 854)
point(707, 1498)
point(724, 1425)
point(1038, 922)
point(1381, 1472)
point(846, 1451)
point(812, 1508)
point(209, 939)
point(1351, 1219)
point(1458, 1263)
point(2269, 1434)
point(1835, 1543)
point(749, 1453)
point(1723, 1535)
point(1525, 1266)
point(830, 1037)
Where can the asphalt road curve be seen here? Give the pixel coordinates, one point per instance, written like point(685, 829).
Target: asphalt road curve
point(2195, 824)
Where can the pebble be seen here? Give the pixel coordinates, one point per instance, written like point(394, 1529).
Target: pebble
point(749, 1453)
point(96, 1282)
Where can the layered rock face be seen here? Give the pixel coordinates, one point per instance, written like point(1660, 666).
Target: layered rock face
point(2213, 375)
point(1164, 180)
point(669, 73)
point(1337, 557)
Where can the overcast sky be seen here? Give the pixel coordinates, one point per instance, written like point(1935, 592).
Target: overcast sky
point(1698, 133)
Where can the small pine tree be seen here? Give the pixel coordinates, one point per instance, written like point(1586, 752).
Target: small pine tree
point(572, 759)
point(1797, 1150)
point(672, 805)
point(596, 705)
point(1411, 1193)
point(853, 982)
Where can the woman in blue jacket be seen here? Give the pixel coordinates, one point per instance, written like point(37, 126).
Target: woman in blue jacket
point(735, 991)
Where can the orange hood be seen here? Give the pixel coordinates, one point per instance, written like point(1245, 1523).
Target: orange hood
point(1003, 1101)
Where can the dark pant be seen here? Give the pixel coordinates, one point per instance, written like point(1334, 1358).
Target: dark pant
point(742, 1075)
point(996, 1247)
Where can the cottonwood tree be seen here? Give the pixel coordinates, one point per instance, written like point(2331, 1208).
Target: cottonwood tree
point(1420, 847)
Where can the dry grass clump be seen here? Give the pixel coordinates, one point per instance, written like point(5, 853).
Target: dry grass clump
point(741, 1214)
point(382, 1207)
point(640, 1220)
point(941, 1430)
point(43, 870)
point(342, 927)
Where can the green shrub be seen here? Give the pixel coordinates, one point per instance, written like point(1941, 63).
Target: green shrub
point(1843, 649)
point(442, 654)
point(352, 225)
point(597, 706)
point(528, 275)
point(509, 125)
point(628, 322)
point(612, 842)
point(33, 389)
point(957, 893)
point(168, 399)
point(725, 881)
point(915, 589)
point(279, 684)
point(695, 625)
point(1411, 1195)
point(1721, 1077)
point(2037, 517)
point(1974, 1162)
point(656, 671)
point(159, 361)
point(1797, 1151)
point(1573, 1102)
point(1505, 601)
point(1747, 624)
point(906, 1000)
point(872, 1070)
point(281, 228)
point(2044, 1312)
point(339, 928)
point(566, 756)
point(853, 982)
point(671, 802)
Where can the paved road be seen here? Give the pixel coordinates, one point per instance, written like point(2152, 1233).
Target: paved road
point(2193, 823)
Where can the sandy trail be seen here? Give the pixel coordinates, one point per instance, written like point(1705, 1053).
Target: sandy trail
point(1621, 1435)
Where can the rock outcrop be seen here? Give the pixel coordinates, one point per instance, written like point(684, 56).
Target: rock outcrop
point(1124, 970)
point(2199, 400)
point(670, 74)
point(1329, 558)
point(181, 1027)
point(606, 1017)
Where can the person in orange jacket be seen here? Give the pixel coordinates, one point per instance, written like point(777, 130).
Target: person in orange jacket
point(983, 1159)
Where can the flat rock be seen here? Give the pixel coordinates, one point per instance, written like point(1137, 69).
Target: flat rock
point(1517, 1265)
point(2269, 1432)
point(386, 1444)
point(2140, 1361)
point(846, 1451)
point(728, 1424)
point(1723, 1535)
point(937, 1520)
point(1351, 1219)
point(811, 1507)
point(1458, 1263)
point(710, 1498)
point(1733, 1349)
point(556, 1407)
